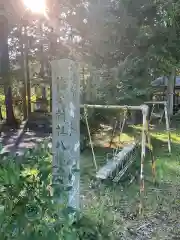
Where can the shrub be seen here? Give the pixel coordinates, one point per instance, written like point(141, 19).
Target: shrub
point(27, 209)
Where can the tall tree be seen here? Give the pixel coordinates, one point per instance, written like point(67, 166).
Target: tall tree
point(5, 67)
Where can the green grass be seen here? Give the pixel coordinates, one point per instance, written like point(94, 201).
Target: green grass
point(114, 207)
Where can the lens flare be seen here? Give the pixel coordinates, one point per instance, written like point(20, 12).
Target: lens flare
point(36, 6)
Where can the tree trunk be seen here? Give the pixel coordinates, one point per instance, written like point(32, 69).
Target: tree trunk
point(51, 98)
point(28, 77)
point(1, 117)
point(26, 68)
point(10, 118)
point(24, 75)
point(4, 68)
point(170, 91)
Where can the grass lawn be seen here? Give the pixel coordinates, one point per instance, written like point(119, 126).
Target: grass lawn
point(114, 207)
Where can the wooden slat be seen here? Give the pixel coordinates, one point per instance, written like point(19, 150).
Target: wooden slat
point(108, 169)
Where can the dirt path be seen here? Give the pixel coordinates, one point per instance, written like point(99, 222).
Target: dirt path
point(8, 139)
point(30, 140)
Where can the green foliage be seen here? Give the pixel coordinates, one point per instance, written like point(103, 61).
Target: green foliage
point(140, 38)
point(27, 208)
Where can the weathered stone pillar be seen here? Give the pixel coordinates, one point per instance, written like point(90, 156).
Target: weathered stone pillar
point(66, 131)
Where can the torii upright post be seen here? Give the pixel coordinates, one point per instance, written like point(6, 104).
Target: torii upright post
point(66, 131)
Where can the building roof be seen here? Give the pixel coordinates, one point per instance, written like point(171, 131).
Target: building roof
point(162, 82)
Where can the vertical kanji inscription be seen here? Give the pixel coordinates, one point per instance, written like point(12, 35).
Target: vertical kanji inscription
point(66, 131)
